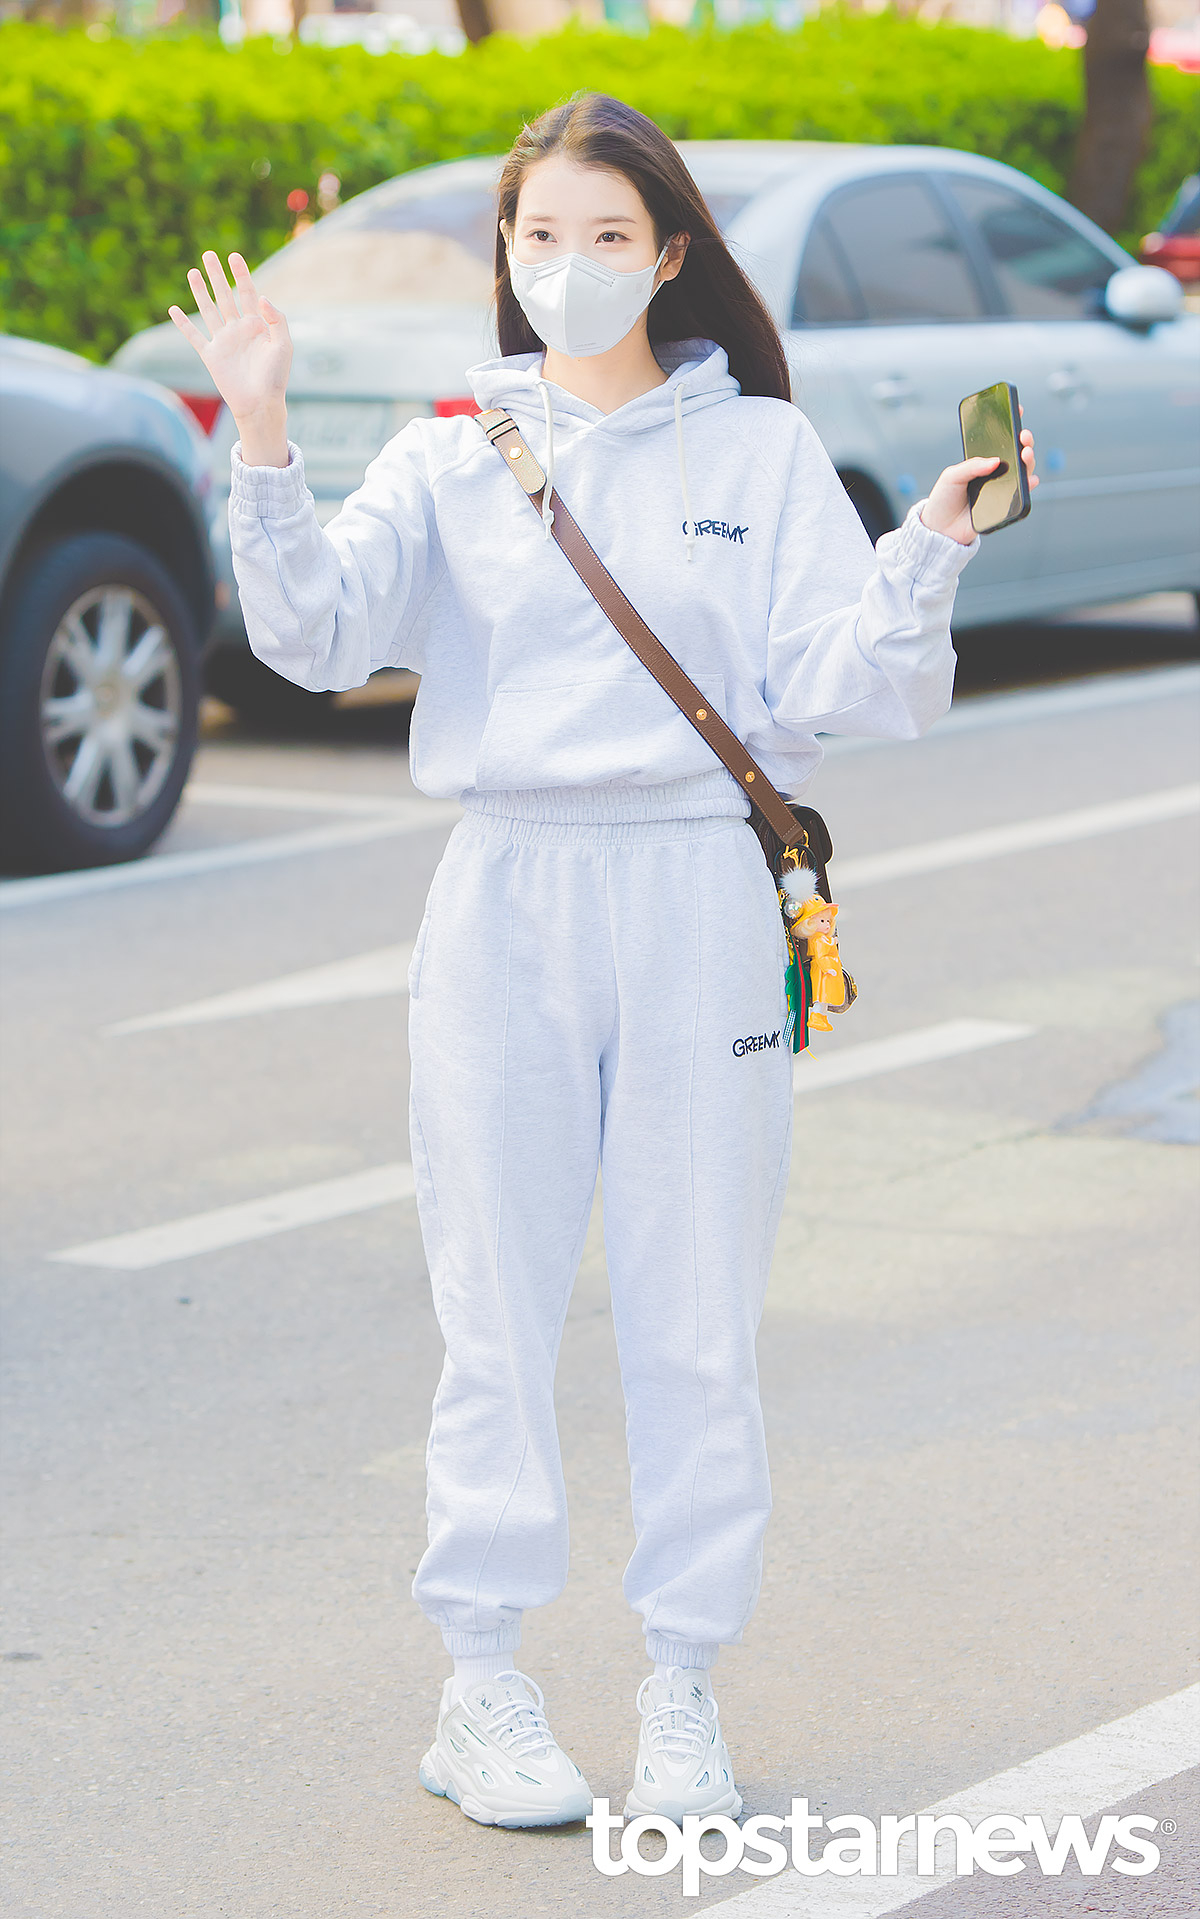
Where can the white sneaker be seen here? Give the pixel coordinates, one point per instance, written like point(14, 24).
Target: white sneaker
point(683, 1765)
point(496, 1757)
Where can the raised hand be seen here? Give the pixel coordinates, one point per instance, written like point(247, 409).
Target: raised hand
point(947, 510)
point(248, 353)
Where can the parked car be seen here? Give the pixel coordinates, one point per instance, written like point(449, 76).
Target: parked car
point(1177, 46)
point(903, 278)
point(1176, 244)
point(106, 600)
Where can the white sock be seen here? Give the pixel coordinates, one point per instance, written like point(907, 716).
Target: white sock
point(696, 1672)
point(472, 1672)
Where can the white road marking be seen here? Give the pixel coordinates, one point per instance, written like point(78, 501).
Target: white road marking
point(292, 799)
point(411, 816)
point(365, 976)
point(1074, 696)
point(378, 1186)
point(981, 712)
point(387, 817)
point(1022, 836)
point(1103, 1768)
point(945, 1041)
point(253, 1219)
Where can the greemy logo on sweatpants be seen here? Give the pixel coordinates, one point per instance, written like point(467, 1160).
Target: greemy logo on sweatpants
point(755, 1043)
point(721, 528)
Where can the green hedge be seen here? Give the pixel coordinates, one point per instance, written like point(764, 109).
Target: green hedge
point(120, 159)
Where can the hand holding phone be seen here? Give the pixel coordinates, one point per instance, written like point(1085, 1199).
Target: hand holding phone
point(990, 422)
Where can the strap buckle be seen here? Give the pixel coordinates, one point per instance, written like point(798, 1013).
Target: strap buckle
point(501, 430)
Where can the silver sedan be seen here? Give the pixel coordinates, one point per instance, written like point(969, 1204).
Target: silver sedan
point(106, 597)
point(903, 278)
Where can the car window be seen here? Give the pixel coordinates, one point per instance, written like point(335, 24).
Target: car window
point(902, 254)
point(1184, 216)
point(725, 206)
point(419, 248)
point(1046, 269)
point(824, 293)
point(422, 248)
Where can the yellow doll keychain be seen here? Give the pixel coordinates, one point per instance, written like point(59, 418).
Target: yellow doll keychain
point(812, 930)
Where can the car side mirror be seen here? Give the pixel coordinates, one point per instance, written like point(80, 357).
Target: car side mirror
point(1140, 296)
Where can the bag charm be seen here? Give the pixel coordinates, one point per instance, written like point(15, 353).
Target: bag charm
point(817, 983)
point(812, 937)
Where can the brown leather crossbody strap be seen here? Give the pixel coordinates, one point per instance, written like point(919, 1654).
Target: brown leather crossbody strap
point(501, 430)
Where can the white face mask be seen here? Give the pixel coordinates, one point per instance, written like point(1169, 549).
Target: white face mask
point(578, 306)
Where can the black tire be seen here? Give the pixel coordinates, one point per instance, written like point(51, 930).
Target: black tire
point(119, 813)
point(262, 697)
point(869, 504)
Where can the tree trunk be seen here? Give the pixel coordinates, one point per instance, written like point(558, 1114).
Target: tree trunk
point(1118, 112)
point(476, 19)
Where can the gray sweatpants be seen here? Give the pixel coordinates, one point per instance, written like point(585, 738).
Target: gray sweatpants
point(598, 981)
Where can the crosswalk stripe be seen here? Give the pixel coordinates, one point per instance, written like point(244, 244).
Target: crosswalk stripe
point(364, 976)
point(392, 822)
point(380, 1185)
point(1103, 1768)
point(982, 712)
point(927, 1043)
point(1021, 836)
point(367, 975)
point(252, 1219)
point(292, 799)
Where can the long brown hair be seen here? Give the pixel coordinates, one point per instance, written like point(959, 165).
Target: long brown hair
point(710, 297)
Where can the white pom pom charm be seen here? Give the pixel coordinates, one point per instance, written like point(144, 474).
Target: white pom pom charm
point(799, 883)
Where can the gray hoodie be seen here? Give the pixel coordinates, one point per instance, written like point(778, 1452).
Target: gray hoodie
point(720, 516)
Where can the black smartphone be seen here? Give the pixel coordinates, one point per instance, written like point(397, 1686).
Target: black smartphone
point(991, 424)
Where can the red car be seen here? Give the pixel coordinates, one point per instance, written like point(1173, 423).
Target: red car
point(1176, 245)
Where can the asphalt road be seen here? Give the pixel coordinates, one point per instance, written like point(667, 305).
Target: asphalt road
point(975, 1356)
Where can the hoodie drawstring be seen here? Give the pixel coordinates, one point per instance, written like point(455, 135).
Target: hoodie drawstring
point(689, 532)
point(548, 408)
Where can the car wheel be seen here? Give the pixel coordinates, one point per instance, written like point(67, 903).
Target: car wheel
point(870, 505)
point(99, 697)
point(258, 694)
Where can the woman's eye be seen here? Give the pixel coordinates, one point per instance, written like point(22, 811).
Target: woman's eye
point(612, 236)
point(539, 233)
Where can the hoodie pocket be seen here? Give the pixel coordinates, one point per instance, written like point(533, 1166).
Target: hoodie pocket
point(588, 732)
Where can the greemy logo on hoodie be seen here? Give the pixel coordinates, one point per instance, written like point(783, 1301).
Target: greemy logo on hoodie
point(721, 528)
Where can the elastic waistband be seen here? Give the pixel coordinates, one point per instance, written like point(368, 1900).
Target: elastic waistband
point(705, 796)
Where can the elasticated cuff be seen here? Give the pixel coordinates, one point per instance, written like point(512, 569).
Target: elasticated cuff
point(474, 1645)
point(932, 559)
point(691, 1656)
point(267, 492)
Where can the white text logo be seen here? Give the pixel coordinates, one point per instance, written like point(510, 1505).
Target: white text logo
point(861, 1846)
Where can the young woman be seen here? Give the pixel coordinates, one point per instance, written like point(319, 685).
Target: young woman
point(603, 926)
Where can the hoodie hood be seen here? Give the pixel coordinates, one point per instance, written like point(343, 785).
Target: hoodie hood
point(698, 376)
point(698, 369)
